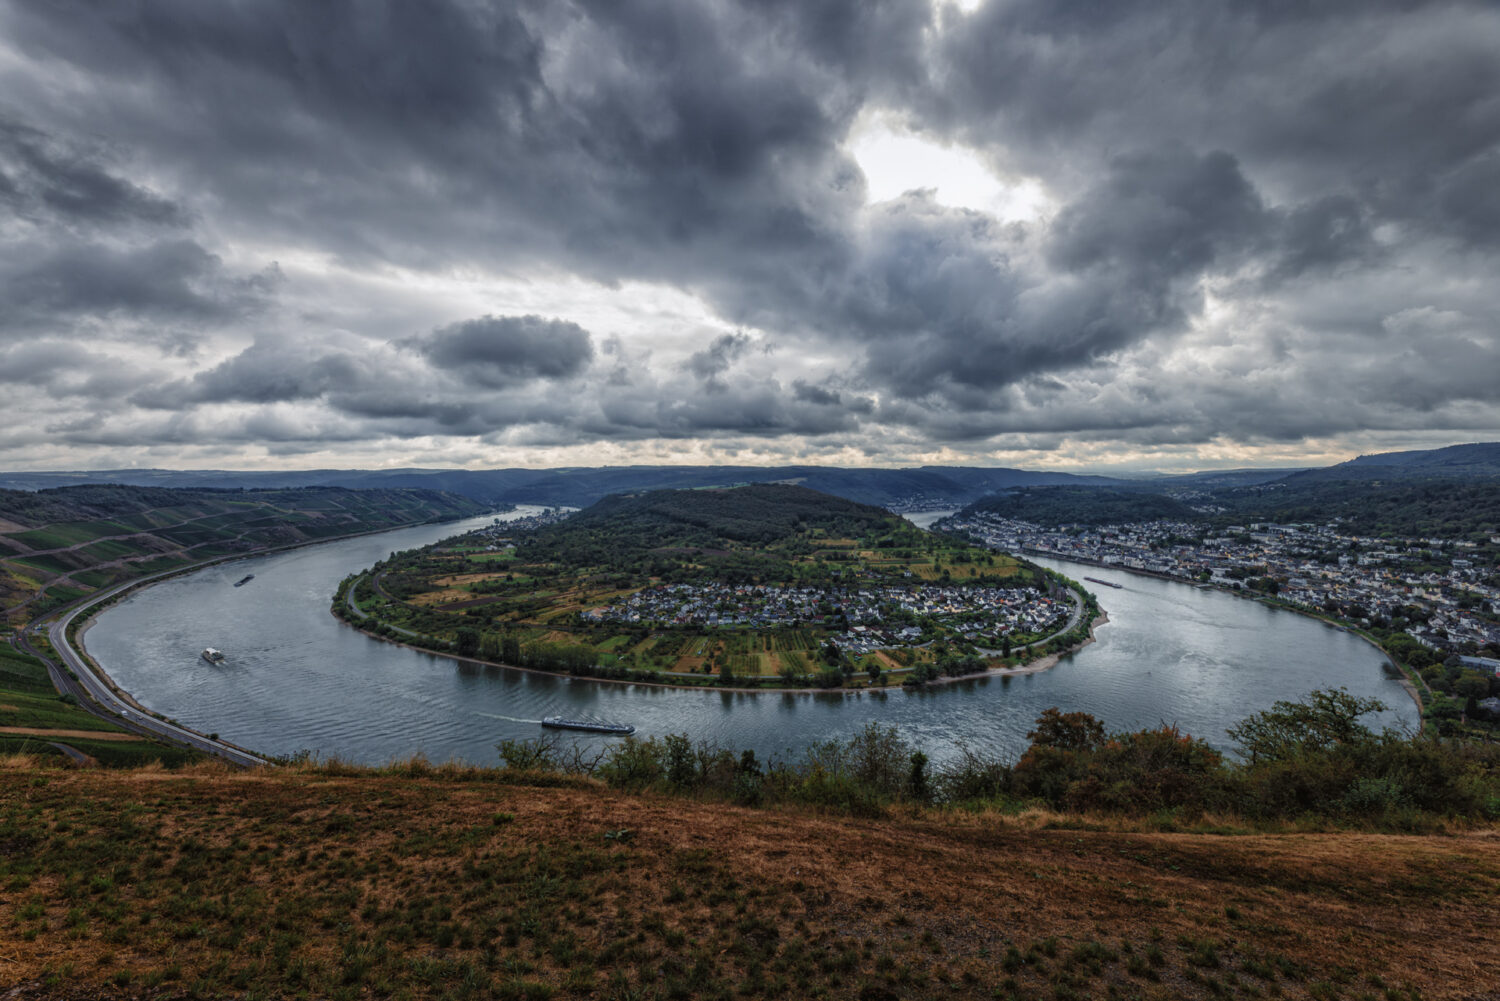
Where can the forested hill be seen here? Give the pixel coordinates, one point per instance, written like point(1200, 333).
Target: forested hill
point(1050, 506)
point(69, 540)
point(1449, 509)
point(756, 516)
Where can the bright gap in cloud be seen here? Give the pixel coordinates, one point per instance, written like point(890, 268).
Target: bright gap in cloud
point(896, 160)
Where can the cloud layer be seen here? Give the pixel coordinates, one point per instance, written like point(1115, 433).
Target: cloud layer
point(519, 233)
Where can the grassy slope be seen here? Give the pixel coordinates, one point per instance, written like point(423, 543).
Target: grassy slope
point(427, 885)
point(27, 699)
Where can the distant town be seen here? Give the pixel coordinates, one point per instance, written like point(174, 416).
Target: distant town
point(877, 617)
point(1443, 592)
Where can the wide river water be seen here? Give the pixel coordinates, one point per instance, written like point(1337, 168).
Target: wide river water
point(296, 678)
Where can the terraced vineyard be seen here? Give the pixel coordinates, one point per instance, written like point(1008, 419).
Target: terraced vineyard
point(60, 544)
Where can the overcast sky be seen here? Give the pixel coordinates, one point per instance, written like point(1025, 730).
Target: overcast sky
point(1169, 234)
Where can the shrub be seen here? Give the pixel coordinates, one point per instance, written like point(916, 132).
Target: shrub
point(538, 754)
point(972, 777)
point(634, 764)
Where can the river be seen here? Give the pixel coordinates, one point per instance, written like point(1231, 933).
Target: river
point(296, 678)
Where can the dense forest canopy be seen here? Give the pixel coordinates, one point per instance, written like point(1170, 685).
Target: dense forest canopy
point(759, 519)
point(1082, 506)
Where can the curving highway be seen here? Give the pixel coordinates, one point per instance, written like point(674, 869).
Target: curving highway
point(94, 694)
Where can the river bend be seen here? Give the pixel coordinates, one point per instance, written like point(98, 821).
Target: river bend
point(296, 678)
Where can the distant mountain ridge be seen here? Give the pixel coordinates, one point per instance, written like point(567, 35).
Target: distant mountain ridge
point(1475, 460)
point(1081, 506)
point(755, 513)
point(909, 488)
point(925, 486)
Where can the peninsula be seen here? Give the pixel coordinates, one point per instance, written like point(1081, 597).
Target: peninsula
point(763, 585)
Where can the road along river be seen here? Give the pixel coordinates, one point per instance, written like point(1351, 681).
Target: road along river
point(295, 678)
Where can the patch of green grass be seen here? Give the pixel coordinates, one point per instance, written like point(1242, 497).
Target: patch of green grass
point(22, 672)
point(50, 564)
point(47, 712)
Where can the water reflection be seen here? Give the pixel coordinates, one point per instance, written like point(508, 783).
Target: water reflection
point(297, 678)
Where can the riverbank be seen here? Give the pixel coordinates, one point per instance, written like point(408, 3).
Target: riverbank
point(1037, 666)
point(66, 634)
point(298, 681)
point(1030, 667)
point(1405, 679)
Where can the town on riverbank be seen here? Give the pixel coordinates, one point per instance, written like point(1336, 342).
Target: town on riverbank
point(1430, 603)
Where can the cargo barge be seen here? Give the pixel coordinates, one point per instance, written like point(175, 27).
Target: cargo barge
point(558, 723)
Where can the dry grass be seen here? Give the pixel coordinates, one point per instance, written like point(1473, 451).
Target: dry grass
point(430, 881)
point(36, 731)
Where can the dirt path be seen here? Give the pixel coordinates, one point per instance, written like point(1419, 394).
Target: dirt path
point(33, 731)
point(75, 755)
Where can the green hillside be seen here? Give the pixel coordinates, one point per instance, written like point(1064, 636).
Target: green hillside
point(1082, 506)
point(764, 522)
point(1447, 509)
point(60, 544)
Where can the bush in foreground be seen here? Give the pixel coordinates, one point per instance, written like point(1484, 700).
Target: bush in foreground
point(1312, 759)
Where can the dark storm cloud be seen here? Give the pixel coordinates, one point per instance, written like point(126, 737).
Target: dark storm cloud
point(1322, 235)
point(272, 370)
point(1242, 193)
point(86, 248)
point(1469, 200)
point(171, 280)
point(815, 394)
point(943, 298)
point(499, 351)
point(45, 181)
point(1159, 216)
point(715, 359)
point(660, 130)
point(36, 361)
